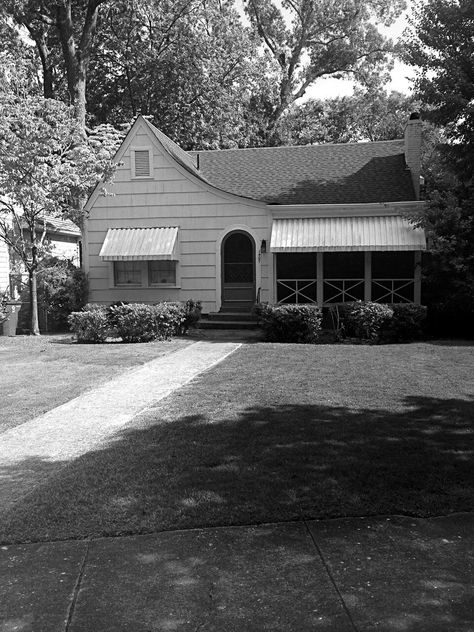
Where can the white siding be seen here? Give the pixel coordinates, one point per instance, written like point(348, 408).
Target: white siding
point(4, 267)
point(65, 247)
point(172, 197)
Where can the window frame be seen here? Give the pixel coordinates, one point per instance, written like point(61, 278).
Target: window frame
point(171, 285)
point(122, 285)
point(149, 149)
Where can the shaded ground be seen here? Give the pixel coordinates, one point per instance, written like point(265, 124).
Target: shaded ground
point(276, 433)
point(40, 373)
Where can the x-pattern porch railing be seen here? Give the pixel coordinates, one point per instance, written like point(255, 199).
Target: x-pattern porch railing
point(297, 291)
point(344, 290)
point(392, 291)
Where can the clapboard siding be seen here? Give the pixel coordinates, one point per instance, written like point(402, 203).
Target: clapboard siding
point(172, 197)
point(4, 267)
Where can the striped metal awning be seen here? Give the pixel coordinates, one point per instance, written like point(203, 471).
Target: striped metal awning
point(333, 234)
point(140, 244)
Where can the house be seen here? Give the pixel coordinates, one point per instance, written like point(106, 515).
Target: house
point(308, 224)
point(63, 239)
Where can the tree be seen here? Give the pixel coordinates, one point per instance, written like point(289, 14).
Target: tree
point(440, 44)
point(190, 64)
point(63, 31)
point(46, 164)
point(310, 39)
point(363, 116)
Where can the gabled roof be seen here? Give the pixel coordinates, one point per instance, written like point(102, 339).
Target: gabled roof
point(311, 174)
point(184, 158)
point(63, 226)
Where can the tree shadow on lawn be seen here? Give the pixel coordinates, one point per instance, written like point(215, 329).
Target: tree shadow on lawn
point(266, 464)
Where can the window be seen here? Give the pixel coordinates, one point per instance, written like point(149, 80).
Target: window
point(141, 166)
point(127, 273)
point(162, 272)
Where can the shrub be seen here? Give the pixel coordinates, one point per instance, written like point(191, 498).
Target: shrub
point(289, 323)
point(90, 325)
point(406, 323)
point(365, 320)
point(192, 314)
point(141, 323)
point(62, 289)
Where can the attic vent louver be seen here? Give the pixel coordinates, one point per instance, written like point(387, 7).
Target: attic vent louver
point(142, 162)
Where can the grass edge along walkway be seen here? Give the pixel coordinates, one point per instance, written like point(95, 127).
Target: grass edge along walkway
point(30, 451)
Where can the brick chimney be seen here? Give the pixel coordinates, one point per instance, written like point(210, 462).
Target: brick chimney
point(413, 150)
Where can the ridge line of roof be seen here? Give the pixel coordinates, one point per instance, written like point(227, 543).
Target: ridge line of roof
point(363, 143)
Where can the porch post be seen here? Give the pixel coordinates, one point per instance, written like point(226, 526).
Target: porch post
point(417, 278)
point(367, 276)
point(319, 279)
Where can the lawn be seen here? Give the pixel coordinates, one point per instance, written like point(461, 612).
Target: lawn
point(277, 433)
point(39, 373)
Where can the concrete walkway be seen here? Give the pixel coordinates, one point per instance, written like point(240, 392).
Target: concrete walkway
point(43, 445)
point(352, 575)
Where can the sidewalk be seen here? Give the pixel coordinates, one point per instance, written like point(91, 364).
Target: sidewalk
point(41, 446)
point(390, 574)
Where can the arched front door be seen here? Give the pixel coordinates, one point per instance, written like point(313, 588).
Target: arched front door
point(238, 271)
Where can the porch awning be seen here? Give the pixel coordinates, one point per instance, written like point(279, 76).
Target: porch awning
point(139, 244)
point(332, 234)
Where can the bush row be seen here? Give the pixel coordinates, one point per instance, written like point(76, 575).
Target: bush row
point(378, 322)
point(289, 323)
point(374, 322)
point(134, 322)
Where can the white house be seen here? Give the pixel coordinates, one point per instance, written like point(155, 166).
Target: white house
point(63, 240)
point(318, 223)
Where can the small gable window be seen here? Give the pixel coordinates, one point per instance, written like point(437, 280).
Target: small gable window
point(142, 162)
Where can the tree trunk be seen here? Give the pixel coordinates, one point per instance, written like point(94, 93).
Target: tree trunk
point(34, 322)
point(79, 97)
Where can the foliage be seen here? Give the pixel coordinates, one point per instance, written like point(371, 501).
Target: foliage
point(46, 166)
point(440, 45)
point(192, 314)
point(289, 323)
point(63, 33)
point(138, 322)
point(365, 320)
point(308, 40)
point(62, 289)
point(366, 115)
point(190, 64)
point(406, 324)
point(90, 325)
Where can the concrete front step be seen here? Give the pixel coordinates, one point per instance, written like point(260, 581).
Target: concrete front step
point(240, 316)
point(205, 323)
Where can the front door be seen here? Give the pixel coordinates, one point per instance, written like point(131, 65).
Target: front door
point(238, 272)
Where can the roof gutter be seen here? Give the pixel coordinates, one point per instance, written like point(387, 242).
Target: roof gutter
point(374, 209)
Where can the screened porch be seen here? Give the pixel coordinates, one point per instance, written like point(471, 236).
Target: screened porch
point(338, 277)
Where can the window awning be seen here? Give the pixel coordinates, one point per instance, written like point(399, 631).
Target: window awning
point(140, 244)
point(332, 234)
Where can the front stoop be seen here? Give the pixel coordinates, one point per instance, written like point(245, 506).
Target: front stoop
point(228, 320)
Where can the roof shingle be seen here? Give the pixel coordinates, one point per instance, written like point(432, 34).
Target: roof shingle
point(312, 174)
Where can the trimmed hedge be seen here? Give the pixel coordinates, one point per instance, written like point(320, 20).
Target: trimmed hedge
point(90, 325)
point(134, 322)
point(138, 322)
point(407, 323)
point(378, 322)
point(364, 320)
point(289, 323)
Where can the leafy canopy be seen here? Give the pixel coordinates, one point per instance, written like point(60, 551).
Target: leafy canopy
point(310, 39)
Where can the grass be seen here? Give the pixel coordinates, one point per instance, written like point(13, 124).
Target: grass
point(40, 373)
point(276, 433)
